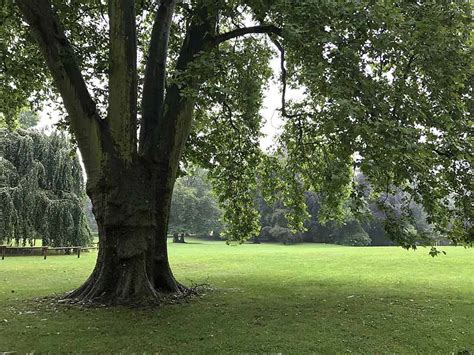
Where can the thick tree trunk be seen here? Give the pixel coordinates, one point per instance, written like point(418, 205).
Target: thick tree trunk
point(132, 265)
point(120, 274)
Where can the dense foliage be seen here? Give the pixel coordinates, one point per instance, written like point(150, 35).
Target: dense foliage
point(386, 95)
point(25, 119)
point(371, 228)
point(378, 98)
point(194, 210)
point(41, 190)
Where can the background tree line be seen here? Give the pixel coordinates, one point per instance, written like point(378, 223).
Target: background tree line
point(195, 211)
point(43, 198)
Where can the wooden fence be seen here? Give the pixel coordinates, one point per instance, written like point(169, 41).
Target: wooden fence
point(44, 250)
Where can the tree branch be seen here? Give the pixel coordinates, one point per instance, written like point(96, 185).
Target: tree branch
point(269, 29)
point(59, 55)
point(283, 110)
point(155, 71)
point(122, 114)
point(167, 134)
point(283, 75)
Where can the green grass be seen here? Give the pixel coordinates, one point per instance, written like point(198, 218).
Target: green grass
point(267, 298)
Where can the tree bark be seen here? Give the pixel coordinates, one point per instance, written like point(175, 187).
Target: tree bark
point(120, 275)
point(122, 110)
point(157, 261)
point(128, 268)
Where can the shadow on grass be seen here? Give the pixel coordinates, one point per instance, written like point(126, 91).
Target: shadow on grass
point(250, 318)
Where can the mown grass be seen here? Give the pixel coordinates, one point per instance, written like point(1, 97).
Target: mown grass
point(266, 298)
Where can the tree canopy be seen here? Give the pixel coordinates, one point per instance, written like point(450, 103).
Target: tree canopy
point(387, 90)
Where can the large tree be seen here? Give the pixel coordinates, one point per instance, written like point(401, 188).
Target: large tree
point(390, 80)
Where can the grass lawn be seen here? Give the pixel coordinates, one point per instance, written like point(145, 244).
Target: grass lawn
point(267, 298)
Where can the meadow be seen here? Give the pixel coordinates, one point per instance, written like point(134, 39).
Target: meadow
point(263, 298)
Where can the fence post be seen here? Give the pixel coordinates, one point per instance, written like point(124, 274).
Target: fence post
point(45, 252)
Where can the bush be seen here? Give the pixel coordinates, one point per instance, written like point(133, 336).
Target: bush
point(284, 235)
point(280, 233)
point(353, 234)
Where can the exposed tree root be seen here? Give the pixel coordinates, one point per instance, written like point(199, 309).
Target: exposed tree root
point(93, 295)
point(156, 298)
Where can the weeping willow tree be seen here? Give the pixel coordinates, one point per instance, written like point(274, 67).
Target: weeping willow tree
point(41, 190)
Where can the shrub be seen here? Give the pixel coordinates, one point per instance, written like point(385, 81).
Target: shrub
point(353, 234)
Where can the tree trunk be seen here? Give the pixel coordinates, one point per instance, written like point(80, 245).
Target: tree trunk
point(132, 265)
point(178, 238)
point(120, 275)
point(159, 269)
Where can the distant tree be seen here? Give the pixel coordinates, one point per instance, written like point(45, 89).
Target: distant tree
point(402, 220)
point(375, 229)
point(28, 119)
point(41, 190)
point(274, 224)
point(90, 215)
point(387, 220)
point(351, 233)
point(315, 230)
point(194, 209)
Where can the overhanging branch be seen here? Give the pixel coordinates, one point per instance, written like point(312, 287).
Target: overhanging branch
point(284, 112)
point(284, 75)
point(268, 29)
